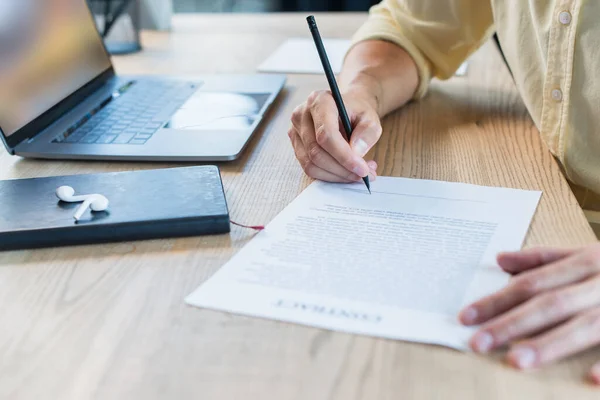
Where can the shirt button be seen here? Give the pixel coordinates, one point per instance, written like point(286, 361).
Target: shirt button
point(564, 18)
point(557, 95)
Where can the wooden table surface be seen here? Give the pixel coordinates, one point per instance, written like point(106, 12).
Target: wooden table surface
point(109, 321)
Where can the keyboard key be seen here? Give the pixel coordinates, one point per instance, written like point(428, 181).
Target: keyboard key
point(89, 139)
point(144, 136)
point(137, 141)
point(74, 138)
point(154, 125)
point(123, 138)
point(106, 139)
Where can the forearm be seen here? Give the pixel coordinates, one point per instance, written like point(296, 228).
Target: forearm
point(382, 71)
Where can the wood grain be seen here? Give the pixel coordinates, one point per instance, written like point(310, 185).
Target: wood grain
point(109, 322)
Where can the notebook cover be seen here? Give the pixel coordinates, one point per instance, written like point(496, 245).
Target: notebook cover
point(151, 204)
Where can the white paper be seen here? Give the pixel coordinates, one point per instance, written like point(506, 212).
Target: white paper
point(299, 56)
point(398, 264)
point(462, 70)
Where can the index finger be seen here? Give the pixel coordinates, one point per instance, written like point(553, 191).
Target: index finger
point(528, 284)
point(329, 137)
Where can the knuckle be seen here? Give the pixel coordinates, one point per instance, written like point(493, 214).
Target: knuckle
point(374, 127)
point(290, 133)
point(321, 135)
point(371, 130)
point(378, 130)
point(313, 98)
point(554, 302)
point(297, 115)
point(315, 152)
point(525, 286)
point(305, 163)
point(505, 331)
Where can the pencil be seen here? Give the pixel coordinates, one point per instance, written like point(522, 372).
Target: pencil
point(335, 91)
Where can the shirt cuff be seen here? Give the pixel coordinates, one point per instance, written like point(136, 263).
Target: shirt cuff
point(379, 28)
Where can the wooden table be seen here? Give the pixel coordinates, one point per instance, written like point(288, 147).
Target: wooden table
point(109, 322)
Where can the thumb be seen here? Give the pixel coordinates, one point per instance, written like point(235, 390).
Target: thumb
point(520, 261)
point(366, 133)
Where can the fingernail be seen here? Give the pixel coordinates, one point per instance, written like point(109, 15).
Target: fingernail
point(523, 357)
point(372, 165)
point(360, 147)
point(482, 342)
point(469, 316)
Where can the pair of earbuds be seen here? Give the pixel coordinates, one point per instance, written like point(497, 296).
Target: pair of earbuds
point(95, 202)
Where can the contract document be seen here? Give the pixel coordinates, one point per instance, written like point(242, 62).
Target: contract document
point(399, 263)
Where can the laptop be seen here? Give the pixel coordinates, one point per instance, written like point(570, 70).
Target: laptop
point(61, 99)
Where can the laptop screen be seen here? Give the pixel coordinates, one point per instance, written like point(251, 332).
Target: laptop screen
point(48, 50)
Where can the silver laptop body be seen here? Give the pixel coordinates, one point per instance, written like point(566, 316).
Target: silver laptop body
point(66, 102)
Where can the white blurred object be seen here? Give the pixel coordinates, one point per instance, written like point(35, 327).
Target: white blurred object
point(299, 56)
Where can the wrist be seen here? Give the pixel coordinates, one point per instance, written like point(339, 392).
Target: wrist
point(365, 87)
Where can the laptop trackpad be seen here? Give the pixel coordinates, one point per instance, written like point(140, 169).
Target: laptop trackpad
point(219, 111)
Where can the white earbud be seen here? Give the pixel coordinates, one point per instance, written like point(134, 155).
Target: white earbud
point(96, 202)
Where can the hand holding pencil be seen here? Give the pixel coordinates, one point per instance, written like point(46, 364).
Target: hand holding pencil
point(319, 134)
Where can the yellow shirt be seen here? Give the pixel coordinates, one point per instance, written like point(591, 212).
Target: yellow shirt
point(552, 48)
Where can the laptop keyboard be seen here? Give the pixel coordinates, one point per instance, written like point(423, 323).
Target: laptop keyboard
point(132, 116)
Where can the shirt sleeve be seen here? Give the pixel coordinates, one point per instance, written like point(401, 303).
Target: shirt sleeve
point(438, 34)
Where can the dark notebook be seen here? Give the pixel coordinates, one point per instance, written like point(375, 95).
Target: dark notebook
point(151, 204)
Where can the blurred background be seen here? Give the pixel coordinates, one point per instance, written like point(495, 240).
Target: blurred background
point(156, 14)
point(133, 15)
point(270, 5)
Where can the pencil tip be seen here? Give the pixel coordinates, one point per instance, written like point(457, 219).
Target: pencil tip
point(367, 183)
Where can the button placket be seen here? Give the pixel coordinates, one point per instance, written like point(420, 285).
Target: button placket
point(557, 95)
point(557, 80)
point(564, 17)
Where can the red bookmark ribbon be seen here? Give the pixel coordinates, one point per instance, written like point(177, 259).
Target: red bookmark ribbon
point(254, 227)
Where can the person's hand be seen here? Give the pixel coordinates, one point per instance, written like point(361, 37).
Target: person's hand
point(322, 149)
point(549, 310)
